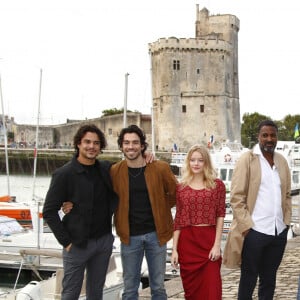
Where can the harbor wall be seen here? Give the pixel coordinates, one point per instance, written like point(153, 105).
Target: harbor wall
point(21, 161)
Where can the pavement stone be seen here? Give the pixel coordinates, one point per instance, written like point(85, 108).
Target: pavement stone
point(287, 283)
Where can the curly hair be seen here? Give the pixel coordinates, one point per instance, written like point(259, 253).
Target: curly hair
point(209, 171)
point(133, 129)
point(81, 133)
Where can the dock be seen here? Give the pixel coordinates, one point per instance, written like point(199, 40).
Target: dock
point(287, 278)
point(286, 287)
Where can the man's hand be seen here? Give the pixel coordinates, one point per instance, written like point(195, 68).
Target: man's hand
point(68, 248)
point(149, 157)
point(245, 232)
point(67, 207)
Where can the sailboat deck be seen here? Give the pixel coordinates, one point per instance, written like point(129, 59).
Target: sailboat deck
point(14, 260)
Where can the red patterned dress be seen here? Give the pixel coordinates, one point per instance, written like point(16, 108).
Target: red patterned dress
point(201, 277)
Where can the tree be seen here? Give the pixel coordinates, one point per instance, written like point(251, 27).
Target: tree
point(10, 136)
point(249, 128)
point(290, 122)
point(286, 128)
point(113, 111)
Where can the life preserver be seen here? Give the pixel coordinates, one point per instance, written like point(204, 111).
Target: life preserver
point(227, 157)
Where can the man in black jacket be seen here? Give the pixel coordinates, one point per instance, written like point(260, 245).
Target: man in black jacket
point(86, 231)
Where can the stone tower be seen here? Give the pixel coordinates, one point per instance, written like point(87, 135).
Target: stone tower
point(195, 85)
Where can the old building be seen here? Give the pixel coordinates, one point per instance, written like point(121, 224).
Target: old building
point(61, 136)
point(195, 85)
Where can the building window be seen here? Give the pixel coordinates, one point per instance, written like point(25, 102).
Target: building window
point(198, 71)
point(202, 108)
point(109, 131)
point(176, 65)
point(184, 108)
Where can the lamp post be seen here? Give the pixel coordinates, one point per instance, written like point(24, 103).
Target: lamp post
point(125, 101)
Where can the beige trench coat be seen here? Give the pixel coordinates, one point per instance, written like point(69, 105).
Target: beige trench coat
point(245, 184)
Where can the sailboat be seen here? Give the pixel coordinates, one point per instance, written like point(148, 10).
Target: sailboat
point(8, 205)
point(5, 198)
point(50, 288)
point(34, 237)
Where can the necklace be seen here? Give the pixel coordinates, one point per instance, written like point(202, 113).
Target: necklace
point(135, 173)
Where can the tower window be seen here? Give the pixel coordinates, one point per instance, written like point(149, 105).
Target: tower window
point(176, 65)
point(202, 108)
point(109, 131)
point(184, 108)
point(198, 71)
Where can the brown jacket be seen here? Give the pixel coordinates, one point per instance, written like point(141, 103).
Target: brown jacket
point(161, 185)
point(244, 189)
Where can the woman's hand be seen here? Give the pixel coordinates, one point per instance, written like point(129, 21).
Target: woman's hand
point(174, 259)
point(215, 253)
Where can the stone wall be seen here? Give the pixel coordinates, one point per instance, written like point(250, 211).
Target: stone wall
point(61, 136)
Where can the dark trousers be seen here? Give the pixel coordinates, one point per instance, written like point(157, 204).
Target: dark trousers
point(94, 258)
point(261, 257)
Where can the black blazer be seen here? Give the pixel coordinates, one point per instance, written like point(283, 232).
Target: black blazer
point(70, 183)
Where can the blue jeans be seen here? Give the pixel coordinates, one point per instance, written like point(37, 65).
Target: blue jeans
point(132, 256)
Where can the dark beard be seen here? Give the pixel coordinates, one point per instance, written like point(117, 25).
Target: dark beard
point(268, 149)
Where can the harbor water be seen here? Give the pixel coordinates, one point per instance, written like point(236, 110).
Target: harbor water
point(21, 186)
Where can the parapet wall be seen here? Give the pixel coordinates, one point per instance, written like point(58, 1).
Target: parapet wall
point(212, 44)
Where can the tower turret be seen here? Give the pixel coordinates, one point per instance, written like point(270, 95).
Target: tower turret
point(195, 84)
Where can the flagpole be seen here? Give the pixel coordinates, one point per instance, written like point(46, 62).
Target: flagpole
point(296, 131)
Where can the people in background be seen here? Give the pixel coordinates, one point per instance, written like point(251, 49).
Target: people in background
point(198, 226)
point(261, 204)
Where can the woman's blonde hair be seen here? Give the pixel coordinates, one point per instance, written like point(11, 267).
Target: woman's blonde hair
point(209, 171)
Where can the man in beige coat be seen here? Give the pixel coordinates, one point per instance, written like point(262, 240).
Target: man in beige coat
point(261, 204)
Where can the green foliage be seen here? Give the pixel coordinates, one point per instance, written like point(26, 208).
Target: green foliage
point(114, 111)
point(250, 123)
point(10, 135)
point(249, 128)
point(289, 123)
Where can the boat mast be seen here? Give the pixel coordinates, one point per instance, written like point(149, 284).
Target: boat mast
point(36, 200)
point(125, 101)
point(5, 140)
point(152, 110)
point(37, 137)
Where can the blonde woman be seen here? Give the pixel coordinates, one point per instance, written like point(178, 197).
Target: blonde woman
point(198, 225)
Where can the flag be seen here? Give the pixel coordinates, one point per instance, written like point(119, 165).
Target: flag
point(296, 131)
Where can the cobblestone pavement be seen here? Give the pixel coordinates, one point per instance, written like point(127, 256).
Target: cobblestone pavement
point(286, 286)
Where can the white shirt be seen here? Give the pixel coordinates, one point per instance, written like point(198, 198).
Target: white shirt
point(267, 213)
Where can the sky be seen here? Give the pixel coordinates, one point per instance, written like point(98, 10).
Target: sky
point(73, 54)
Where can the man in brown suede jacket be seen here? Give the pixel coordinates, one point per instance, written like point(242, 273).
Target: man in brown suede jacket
point(143, 219)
